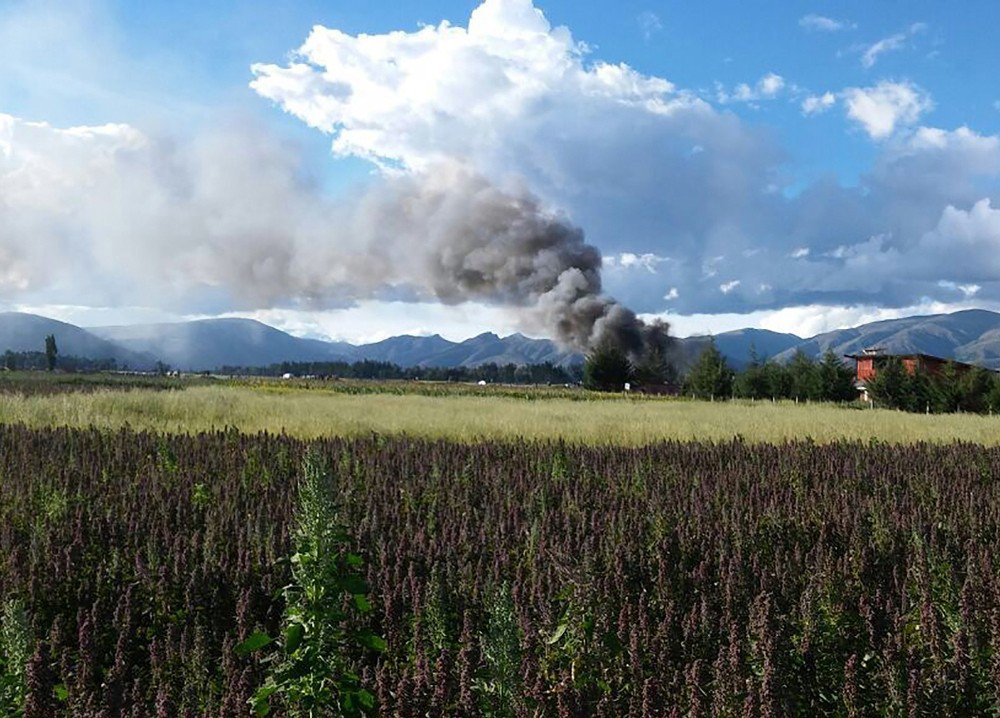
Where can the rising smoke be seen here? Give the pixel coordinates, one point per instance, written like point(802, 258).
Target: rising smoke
point(232, 212)
point(453, 234)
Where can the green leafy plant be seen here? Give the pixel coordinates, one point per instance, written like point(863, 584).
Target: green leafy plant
point(498, 683)
point(200, 495)
point(15, 649)
point(311, 671)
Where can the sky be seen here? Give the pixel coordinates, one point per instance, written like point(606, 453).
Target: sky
point(792, 166)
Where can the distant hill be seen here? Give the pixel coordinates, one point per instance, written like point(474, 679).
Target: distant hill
point(972, 336)
point(738, 345)
point(487, 348)
point(406, 350)
point(20, 332)
point(212, 343)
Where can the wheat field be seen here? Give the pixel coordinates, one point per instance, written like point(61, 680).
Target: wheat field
point(623, 421)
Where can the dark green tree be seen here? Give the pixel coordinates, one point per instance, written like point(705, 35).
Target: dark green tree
point(993, 397)
point(607, 368)
point(655, 367)
point(804, 376)
point(51, 351)
point(889, 387)
point(779, 380)
point(710, 377)
point(836, 380)
point(947, 391)
point(752, 382)
point(975, 386)
point(918, 392)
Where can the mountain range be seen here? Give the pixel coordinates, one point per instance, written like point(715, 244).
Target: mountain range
point(971, 336)
point(26, 333)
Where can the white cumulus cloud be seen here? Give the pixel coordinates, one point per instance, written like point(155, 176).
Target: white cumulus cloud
point(629, 260)
point(646, 168)
point(817, 104)
point(882, 108)
point(443, 90)
point(766, 88)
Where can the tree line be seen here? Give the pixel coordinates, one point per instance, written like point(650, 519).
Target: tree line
point(42, 361)
point(544, 373)
point(975, 390)
point(800, 379)
point(953, 389)
point(607, 368)
point(45, 359)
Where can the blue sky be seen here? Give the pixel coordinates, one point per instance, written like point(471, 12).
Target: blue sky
point(199, 54)
point(839, 183)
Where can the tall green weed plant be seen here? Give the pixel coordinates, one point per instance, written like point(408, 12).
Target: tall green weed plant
point(311, 671)
point(15, 650)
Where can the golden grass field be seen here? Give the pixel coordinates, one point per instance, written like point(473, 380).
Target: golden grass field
point(308, 412)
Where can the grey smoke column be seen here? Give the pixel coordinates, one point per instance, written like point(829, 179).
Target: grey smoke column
point(462, 238)
point(229, 220)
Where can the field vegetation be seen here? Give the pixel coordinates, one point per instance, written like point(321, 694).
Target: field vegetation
point(34, 383)
point(469, 413)
point(191, 575)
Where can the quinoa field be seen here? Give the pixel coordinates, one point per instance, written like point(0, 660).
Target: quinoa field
point(146, 574)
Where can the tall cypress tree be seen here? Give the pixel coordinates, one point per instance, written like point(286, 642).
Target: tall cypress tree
point(752, 382)
point(889, 385)
point(711, 376)
point(804, 377)
point(51, 351)
point(836, 381)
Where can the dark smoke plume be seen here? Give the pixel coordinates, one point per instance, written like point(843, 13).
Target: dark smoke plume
point(465, 239)
point(230, 215)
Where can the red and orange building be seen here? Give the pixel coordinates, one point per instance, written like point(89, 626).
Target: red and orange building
point(868, 362)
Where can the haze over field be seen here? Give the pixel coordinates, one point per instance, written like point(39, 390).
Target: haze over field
point(355, 173)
